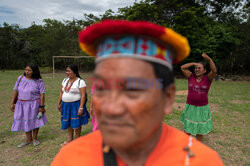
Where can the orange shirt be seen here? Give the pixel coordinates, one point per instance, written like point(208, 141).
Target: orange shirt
point(169, 151)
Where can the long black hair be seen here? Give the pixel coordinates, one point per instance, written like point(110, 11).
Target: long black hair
point(74, 68)
point(36, 72)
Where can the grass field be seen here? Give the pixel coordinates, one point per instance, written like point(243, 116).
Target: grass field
point(229, 103)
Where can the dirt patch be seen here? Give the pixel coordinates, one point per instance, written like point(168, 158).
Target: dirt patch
point(15, 153)
point(181, 92)
point(240, 101)
point(214, 108)
point(179, 106)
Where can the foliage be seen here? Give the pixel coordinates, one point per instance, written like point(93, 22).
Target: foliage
point(218, 27)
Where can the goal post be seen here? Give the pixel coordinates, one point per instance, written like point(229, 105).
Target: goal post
point(74, 57)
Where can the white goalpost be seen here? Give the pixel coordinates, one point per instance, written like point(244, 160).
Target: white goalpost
point(74, 57)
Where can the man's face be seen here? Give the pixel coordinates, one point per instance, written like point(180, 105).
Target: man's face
point(126, 117)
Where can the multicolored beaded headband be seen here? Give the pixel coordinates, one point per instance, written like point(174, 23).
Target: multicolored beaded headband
point(135, 39)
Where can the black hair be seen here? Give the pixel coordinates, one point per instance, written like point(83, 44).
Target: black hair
point(164, 73)
point(203, 64)
point(36, 72)
point(74, 68)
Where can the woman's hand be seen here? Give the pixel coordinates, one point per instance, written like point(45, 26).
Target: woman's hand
point(205, 56)
point(42, 110)
point(80, 112)
point(59, 107)
point(12, 107)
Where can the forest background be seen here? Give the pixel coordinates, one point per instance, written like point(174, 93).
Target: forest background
point(221, 28)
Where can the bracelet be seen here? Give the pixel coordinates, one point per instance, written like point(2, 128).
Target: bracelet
point(41, 106)
point(80, 108)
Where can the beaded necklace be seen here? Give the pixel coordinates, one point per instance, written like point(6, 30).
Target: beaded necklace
point(68, 86)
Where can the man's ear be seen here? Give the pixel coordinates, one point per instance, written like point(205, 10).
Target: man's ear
point(170, 98)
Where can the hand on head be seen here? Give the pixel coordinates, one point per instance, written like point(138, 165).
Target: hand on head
point(196, 64)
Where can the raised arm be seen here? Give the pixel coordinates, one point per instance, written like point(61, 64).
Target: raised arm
point(213, 71)
point(184, 68)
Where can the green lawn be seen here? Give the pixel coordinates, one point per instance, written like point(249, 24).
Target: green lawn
point(230, 105)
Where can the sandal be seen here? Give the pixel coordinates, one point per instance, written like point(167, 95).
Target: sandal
point(23, 144)
point(36, 143)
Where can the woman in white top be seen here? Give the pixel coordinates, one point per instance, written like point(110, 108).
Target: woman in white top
point(72, 103)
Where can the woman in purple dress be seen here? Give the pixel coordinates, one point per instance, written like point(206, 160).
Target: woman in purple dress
point(29, 108)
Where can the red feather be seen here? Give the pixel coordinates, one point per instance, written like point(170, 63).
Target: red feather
point(116, 27)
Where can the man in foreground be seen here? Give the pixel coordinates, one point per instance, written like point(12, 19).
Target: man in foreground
point(134, 91)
